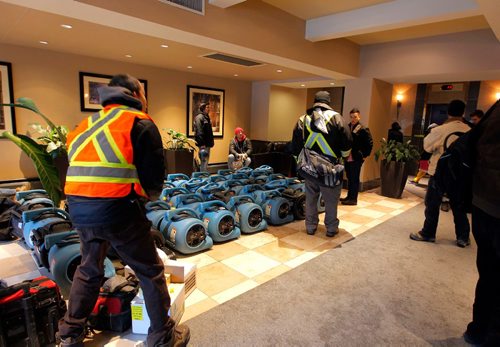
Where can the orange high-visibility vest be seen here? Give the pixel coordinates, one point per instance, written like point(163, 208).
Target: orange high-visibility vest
point(101, 155)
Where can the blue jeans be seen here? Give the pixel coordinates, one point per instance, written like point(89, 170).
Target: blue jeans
point(433, 200)
point(204, 159)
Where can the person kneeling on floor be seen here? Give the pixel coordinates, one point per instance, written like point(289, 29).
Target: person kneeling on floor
point(240, 149)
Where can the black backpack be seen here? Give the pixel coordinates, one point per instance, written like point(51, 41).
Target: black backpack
point(454, 169)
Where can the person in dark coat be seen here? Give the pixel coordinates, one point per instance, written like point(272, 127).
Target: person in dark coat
point(362, 144)
point(240, 149)
point(484, 329)
point(203, 135)
point(395, 133)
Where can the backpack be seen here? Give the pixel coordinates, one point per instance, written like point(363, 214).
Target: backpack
point(454, 169)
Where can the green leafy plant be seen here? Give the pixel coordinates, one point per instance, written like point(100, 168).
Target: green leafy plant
point(50, 145)
point(178, 141)
point(397, 151)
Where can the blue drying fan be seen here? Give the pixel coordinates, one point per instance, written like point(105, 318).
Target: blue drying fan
point(168, 195)
point(177, 179)
point(195, 183)
point(35, 219)
point(218, 220)
point(200, 174)
point(64, 257)
point(248, 215)
point(184, 232)
point(277, 210)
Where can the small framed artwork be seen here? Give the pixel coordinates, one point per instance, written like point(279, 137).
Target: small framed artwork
point(89, 85)
point(7, 113)
point(215, 99)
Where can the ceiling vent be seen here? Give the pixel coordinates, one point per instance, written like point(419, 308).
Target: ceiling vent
point(196, 6)
point(233, 60)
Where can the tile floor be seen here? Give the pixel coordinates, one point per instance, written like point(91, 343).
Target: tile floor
point(232, 268)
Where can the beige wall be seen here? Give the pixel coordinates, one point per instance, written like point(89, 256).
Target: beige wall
point(379, 121)
point(286, 105)
point(51, 79)
point(409, 93)
point(488, 94)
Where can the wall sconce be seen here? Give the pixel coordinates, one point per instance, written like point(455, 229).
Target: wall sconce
point(399, 98)
point(497, 95)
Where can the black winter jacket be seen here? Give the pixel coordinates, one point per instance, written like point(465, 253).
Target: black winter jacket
point(236, 147)
point(203, 133)
point(362, 142)
point(486, 178)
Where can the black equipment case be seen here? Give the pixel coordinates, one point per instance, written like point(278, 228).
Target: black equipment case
point(29, 313)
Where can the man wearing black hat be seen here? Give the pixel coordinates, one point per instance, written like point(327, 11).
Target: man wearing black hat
point(362, 144)
point(203, 135)
point(323, 131)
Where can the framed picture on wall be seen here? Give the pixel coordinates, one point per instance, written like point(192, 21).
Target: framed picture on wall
point(7, 113)
point(215, 99)
point(89, 85)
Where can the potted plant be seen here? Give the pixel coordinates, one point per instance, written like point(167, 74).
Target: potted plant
point(48, 151)
point(396, 158)
point(179, 152)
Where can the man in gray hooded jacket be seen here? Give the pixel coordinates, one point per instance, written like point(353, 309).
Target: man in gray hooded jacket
point(325, 132)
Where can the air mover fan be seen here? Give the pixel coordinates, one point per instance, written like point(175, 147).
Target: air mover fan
point(263, 170)
point(64, 257)
point(155, 212)
point(184, 232)
point(276, 184)
point(276, 176)
point(277, 210)
point(295, 183)
point(169, 194)
point(28, 200)
point(200, 174)
point(248, 215)
point(298, 200)
point(32, 220)
point(194, 184)
point(190, 200)
point(234, 186)
point(218, 220)
point(38, 236)
point(208, 191)
point(177, 179)
point(225, 172)
point(245, 170)
point(216, 178)
point(240, 176)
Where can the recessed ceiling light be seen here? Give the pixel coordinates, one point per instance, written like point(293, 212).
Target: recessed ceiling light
point(128, 56)
point(189, 67)
point(164, 46)
point(44, 42)
point(235, 75)
point(332, 83)
point(302, 85)
point(66, 26)
point(279, 70)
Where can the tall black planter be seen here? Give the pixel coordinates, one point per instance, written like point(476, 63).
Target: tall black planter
point(393, 176)
point(180, 161)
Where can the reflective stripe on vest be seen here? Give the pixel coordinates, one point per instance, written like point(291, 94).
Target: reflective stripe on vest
point(318, 138)
point(112, 166)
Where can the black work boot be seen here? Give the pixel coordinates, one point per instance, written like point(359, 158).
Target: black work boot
point(180, 338)
point(72, 341)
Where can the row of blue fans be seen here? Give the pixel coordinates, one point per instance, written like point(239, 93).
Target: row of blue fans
point(49, 233)
point(194, 212)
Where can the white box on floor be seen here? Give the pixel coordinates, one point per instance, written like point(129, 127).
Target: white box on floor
point(140, 318)
point(128, 271)
point(182, 273)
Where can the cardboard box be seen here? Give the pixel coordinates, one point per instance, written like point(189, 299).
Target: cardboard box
point(182, 273)
point(128, 271)
point(140, 318)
